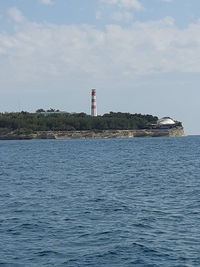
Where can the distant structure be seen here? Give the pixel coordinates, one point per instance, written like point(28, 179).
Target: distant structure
point(93, 103)
point(166, 123)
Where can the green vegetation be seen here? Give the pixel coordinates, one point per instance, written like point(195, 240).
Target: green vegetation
point(53, 120)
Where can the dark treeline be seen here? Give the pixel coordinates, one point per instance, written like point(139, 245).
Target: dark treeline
point(57, 121)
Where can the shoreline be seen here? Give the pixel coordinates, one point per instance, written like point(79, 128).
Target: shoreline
point(94, 134)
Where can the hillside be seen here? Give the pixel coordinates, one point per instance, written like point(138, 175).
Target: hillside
point(62, 125)
point(57, 121)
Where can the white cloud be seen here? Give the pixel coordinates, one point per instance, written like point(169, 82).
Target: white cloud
point(40, 52)
point(15, 14)
point(121, 9)
point(134, 4)
point(46, 2)
point(122, 16)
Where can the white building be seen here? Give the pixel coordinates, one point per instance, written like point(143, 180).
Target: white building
point(166, 121)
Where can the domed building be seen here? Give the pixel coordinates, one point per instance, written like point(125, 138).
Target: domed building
point(166, 122)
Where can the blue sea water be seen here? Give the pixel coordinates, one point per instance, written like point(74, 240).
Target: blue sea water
point(111, 202)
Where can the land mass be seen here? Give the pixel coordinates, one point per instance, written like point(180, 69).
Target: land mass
point(62, 125)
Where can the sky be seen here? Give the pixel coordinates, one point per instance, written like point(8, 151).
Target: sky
point(142, 56)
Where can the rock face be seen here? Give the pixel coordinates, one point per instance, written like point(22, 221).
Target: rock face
point(174, 132)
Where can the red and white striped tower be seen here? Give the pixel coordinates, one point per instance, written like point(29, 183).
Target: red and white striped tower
point(94, 103)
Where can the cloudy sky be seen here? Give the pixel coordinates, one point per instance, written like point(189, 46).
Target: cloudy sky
point(142, 56)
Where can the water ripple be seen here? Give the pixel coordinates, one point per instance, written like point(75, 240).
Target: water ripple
point(130, 202)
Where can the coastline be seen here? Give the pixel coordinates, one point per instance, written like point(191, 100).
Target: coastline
point(94, 134)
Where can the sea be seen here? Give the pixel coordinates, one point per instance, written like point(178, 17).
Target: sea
point(100, 202)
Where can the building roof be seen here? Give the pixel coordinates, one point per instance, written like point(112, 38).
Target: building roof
point(166, 121)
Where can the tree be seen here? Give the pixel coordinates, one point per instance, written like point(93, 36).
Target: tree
point(40, 110)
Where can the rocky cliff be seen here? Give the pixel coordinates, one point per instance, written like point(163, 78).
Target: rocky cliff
point(174, 132)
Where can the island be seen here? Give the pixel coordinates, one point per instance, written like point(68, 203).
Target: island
point(54, 124)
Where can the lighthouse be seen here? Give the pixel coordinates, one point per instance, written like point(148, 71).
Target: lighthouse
point(93, 103)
